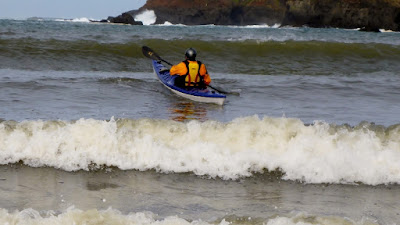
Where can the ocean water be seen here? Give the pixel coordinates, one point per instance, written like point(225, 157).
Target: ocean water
point(309, 134)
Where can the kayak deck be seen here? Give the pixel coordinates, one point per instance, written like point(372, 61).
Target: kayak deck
point(206, 95)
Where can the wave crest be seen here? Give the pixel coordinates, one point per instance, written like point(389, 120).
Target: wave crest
point(317, 153)
point(240, 57)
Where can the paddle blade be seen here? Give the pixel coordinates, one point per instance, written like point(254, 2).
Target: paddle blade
point(149, 53)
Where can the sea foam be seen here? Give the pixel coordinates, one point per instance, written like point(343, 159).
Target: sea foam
point(147, 17)
point(78, 20)
point(317, 153)
point(113, 216)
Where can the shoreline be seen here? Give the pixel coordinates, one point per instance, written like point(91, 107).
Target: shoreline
point(254, 26)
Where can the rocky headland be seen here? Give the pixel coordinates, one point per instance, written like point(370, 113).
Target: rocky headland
point(368, 15)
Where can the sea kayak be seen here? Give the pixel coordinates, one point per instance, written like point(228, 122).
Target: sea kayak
point(207, 95)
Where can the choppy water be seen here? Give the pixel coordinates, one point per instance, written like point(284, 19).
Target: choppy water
point(310, 135)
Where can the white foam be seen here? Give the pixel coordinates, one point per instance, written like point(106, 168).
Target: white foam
point(166, 23)
point(81, 20)
point(76, 20)
point(387, 31)
point(147, 17)
point(261, 26)
point(93, 216)
point(113, 216)
point(319, 153)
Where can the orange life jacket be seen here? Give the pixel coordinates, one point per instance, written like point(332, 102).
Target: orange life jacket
point(193, 77)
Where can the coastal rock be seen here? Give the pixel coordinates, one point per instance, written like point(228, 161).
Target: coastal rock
point(369, 15)
point(222, 12)
point(124, 18)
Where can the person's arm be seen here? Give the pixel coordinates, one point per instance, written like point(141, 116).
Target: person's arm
point(203, 72)
point(179, 69)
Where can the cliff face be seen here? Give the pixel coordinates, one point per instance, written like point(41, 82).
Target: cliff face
point(221, 12)
point(368, 14)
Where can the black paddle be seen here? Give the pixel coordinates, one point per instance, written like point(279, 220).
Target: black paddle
point(149, 53)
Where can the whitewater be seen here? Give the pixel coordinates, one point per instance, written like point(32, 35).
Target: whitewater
point(317, 153)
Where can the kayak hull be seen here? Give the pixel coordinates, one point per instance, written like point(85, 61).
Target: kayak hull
point(206, 95)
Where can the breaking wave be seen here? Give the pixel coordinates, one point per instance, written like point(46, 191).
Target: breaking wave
point(317, 153)
point(147, 17)
point(113, 216)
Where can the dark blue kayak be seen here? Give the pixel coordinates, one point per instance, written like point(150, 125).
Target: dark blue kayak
point(206, 95)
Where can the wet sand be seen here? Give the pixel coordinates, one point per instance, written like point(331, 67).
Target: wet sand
point(190, 197)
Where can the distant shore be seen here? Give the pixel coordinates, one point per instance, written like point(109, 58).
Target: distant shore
point(366, 15)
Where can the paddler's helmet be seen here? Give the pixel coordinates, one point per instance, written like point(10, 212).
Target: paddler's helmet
point(191, 54)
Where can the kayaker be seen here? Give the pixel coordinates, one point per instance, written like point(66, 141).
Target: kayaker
point(191, 73)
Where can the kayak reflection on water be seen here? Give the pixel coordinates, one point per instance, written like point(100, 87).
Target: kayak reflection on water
point(186, 111)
